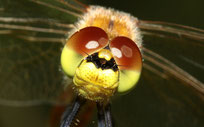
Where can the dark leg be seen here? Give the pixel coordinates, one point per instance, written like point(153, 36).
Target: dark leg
point(101, 117)
point(104, 115)
point(71, 112)
point(108, 118)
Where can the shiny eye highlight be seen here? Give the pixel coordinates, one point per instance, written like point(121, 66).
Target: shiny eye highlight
point(128, 58)
point(86, 41)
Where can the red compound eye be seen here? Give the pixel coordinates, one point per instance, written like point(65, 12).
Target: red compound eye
point(126, 53)
point(88, 40)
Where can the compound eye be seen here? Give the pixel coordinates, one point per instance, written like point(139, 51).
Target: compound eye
point(126, 53)
point(128, 57)
point(86, 41)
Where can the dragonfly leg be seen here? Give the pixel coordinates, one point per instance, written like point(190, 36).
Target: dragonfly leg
point(108, 117)
point(71, 112)
point(104, 115)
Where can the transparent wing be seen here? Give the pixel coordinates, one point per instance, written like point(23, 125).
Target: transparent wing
point(177, 50)
point(31, 39)
point(171, 90)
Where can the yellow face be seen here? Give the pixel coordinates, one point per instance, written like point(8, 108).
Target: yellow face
point(99, 66)
point(97, 76)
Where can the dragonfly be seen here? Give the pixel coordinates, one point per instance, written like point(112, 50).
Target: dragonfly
point(170, 91)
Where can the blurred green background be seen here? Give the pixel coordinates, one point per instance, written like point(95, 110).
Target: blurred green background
point(155, 102)
point(186, 12)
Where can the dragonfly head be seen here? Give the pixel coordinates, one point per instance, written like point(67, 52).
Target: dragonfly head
point(99, 66)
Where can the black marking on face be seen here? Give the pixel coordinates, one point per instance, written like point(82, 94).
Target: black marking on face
point(102, 63)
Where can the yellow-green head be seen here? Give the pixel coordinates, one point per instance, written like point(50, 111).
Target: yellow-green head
point(99, 66)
